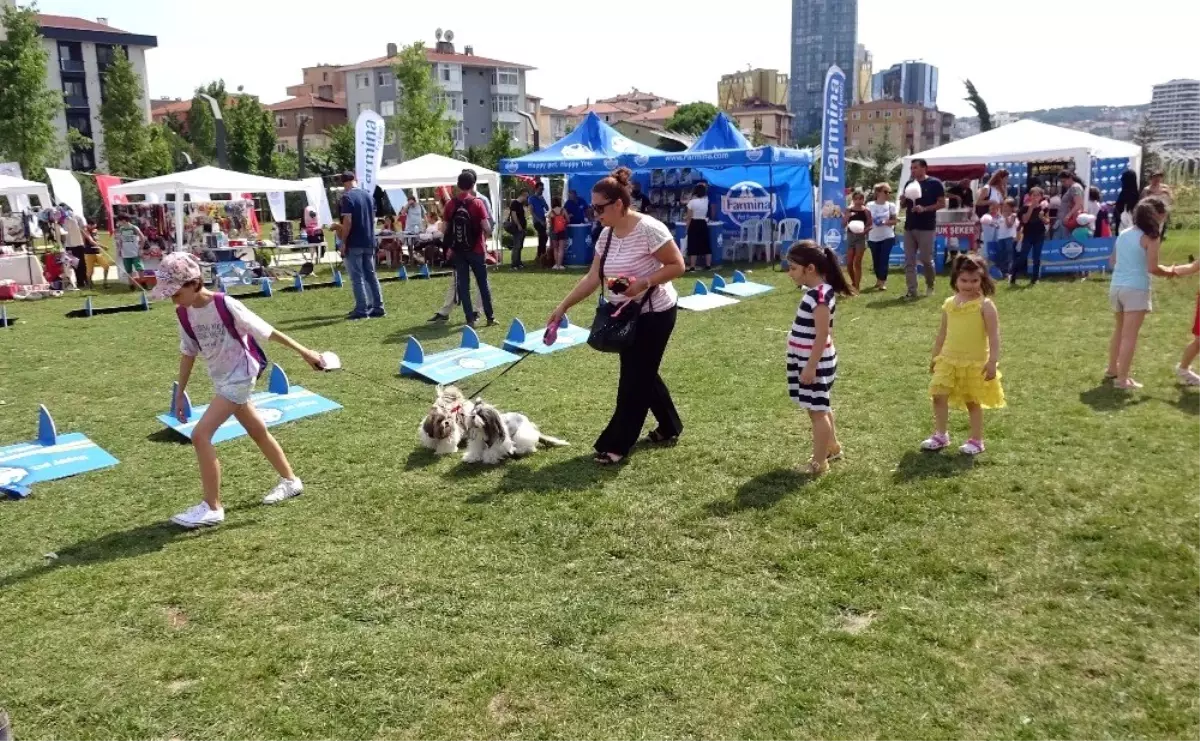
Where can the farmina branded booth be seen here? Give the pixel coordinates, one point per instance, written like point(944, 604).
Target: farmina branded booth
point(1027, 149)
point(762, 185)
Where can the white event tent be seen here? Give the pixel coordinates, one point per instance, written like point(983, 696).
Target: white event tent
point(433, 170)
point(203, 180)
point(14, 186)
point(1029, 141)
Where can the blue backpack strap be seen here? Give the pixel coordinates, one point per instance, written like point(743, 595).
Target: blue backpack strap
point(247, 341)
point(181, 314)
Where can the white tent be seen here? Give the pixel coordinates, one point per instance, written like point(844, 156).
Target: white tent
point(432, 170)
point(203, 180)
point(14, 186)
point(1028, 141)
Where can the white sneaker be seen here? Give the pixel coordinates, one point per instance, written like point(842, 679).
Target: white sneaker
point(199, 516)
point(1187, 376)
point(928, 293)
point(285, 489)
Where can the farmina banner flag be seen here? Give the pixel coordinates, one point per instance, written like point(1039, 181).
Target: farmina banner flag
point(368, 149)
point(833, 160)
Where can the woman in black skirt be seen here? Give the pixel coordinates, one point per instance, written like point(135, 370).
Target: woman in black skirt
point(697, 228)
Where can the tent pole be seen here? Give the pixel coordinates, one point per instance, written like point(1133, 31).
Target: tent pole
point(178, 219)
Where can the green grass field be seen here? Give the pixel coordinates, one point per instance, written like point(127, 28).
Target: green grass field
point(1047, 589)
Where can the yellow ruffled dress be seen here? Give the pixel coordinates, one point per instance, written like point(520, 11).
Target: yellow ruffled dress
point(958, 370)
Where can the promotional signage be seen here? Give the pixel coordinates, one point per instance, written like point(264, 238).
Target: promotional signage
point(1077, 255)
point(961, 229)
point(368, 149)
point(833, 159)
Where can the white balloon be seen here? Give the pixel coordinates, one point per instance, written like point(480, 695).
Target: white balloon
point(856, 227)
point(1084, 219)
point(986, 219)
point(912, 191)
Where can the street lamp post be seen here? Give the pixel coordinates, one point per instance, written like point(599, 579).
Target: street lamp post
point(222, 155)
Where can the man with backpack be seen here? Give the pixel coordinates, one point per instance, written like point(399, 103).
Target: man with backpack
point(467, 229)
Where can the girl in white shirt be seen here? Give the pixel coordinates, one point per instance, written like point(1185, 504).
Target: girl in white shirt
point(882, 237)
point(697, 228)
point(639, 259)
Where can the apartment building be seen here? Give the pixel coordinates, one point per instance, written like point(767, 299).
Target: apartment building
point(1175, 113)
point(320, 114)
point(911, 128)
point(79, 53)
point(481, 94)
point(769, 85)
point(324, 81)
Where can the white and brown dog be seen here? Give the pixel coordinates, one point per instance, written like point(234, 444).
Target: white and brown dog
point(445, 426)
point(493, 436)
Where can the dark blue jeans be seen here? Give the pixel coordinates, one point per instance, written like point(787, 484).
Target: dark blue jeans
point(360, 265)
point(1031, 248)
point(881, 252)
point(464, 265)
point(1000, 253)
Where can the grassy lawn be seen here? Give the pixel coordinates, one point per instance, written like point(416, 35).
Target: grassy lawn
point(1049, 589)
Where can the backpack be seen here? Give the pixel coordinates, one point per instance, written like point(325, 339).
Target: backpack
point(559, 223)
point(461, 229)
point(252, 347)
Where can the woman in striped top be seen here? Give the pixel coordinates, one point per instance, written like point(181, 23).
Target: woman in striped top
point(640, 259)
point(811, 374)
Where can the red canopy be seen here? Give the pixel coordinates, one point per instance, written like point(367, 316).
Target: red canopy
point(957, 172)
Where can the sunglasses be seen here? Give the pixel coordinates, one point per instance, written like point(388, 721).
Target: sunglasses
point(598, 208)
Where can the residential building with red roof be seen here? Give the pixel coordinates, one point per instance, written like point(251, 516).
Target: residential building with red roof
point(481, 94)
point(319, 113)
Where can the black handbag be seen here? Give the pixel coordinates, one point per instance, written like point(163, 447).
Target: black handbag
point(615, 326)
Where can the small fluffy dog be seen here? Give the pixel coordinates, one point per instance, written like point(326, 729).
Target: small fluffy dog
point(493, 436)
point(445, 426)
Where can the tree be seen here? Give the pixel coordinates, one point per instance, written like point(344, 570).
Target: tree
point(1145, 137)
point(981, 109)
point(27, 108)
point(811, 140)
point(692, 118)
point(127, 143)
point(250, 136)
point(757, 139)
point(201, 126)
point(420, 119)
point(267, 142)
point(499, 147)
point(882, 169)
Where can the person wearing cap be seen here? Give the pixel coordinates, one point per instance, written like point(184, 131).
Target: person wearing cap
point(226, 334)
point(357, 232)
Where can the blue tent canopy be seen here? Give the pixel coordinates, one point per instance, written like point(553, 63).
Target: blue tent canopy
point(721, 134)
point(593, 147)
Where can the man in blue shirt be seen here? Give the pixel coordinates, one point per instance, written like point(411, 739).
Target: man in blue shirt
point(357, 232)
point(576, 208)
point(538, 208)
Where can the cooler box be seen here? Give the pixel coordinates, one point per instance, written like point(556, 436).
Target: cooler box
point(580, 251)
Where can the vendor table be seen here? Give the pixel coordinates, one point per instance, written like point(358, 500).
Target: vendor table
point(21, 268)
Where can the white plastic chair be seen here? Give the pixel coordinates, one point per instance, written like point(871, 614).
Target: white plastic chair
point(749, 234)
point(787, 232)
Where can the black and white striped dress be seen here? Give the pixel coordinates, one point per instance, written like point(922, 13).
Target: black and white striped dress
point(814, 396)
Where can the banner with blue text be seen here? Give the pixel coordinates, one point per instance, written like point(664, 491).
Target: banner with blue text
point(833, 159)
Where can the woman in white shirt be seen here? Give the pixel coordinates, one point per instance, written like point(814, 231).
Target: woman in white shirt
point(639, 259)
point(882, 237)
point(697, 228)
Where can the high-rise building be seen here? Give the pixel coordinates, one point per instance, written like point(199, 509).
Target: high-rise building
point(864, 65)
point(914, 83)
point(481, 94)
point(824, 33)
point(767, 85)
point(1175, 113)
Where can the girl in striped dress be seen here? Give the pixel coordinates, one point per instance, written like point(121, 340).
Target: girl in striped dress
point(810, 372)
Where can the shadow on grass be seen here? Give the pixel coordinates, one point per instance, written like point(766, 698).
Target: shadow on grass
point(572, 474)
point(313, 322)
point(130, 543)
point(420, 458)
point(919, 464)
point(1188, 403)
point(761, 492)
point(890, 303)
point(167, 435)
point(424, 331)
point(1108, 398)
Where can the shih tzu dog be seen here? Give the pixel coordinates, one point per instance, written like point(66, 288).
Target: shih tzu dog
point(445, 426)
point(493, 436)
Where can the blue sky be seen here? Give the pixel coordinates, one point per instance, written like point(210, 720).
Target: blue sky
point(1034, 54)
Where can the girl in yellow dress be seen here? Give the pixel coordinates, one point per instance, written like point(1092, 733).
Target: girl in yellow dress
point(965, 355)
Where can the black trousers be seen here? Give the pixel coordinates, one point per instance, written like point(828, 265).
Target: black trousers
point(82, 279)
point(641, 389)
point(543, 237)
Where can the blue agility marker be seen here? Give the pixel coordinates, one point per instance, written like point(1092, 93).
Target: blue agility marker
point(470, 358)
point(424, 270)
point(337, 278)
point(265, 284)
point(402, 273)
point(281, 402)
point(702, 300)
point(298, 284)
point(87, 306)
point(144, 302)
point(740, 287)
point(51, 456)
point(520, 340)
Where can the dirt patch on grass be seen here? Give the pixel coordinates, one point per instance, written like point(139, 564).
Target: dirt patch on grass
point(177, 619)
point(854, 622)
